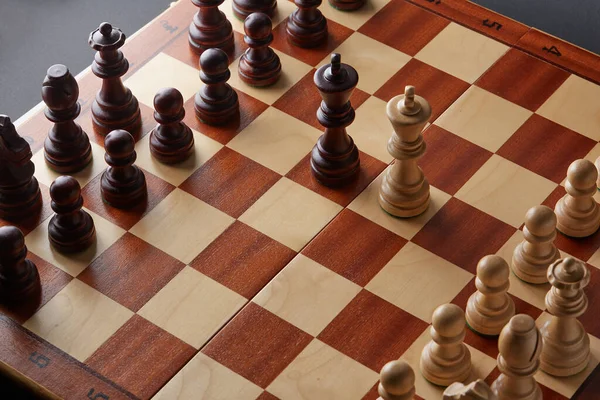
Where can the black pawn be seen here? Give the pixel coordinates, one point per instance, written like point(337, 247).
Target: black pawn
point(216, 103)
point(123, 185)
point(71, 229)
point(210, 28)
point(171, 141)
point(243, 8)
point(19, 278)
point(259, 65)
point(67, 148)
point(307, 27)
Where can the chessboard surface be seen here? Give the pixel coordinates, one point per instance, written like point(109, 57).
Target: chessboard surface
point(242, 278)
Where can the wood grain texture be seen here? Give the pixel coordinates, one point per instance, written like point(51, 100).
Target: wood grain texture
point(267, 396)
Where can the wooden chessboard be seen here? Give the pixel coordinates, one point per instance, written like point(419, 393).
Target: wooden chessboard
point(242, 278)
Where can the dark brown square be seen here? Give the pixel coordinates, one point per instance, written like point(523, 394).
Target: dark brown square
point(450, 161)
point(354, 247)
point(336, 34)
point(462, 234)
point(370, 168)
point(257, 344)
point(243, 259)
point(522, 79)
point(439, 88)
point(230, 182)
point(131, 271)
point(303, 100)
point(404, 26)
point(267, 396)
point(35, 129)
point(125, 218)
point(372, 331)
point(141, 357)
point(545, 147)
point(590, 319)
point(589, 389)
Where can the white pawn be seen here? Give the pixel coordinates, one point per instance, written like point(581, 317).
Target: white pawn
point(397, 381)
point(520, 346)
point(446, 359)
point(577, 213)
point(536, 252)
point(490, 307)
point(566, 344)
point(478, 390)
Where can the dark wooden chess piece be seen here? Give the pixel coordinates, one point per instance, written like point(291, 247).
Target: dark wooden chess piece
point(243, 8)
point(210, 28)
point(71, 229)
point(216, 103)
point(335, 160)
point(19, 278)
point(307, 27)
point(259, 65)
point(115, 107)
point(347, 5)
point(171, 141)
point(67, 148)
point(20, 195)
point(122, 185)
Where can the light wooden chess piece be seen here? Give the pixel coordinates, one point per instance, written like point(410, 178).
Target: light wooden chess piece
point(404, 191)
point(397, 381)
point(536, 252)
point(490, 307)
point(597, 165)
point(577, 213)
point(520, 346)
point(477, 390)
point(446, 359)
point(566, 344)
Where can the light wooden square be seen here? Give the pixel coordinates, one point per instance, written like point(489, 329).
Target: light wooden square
point(160, 72)
point(461, 52)
point(175, 174)
point(353, 19)
point(302, 287)
point(204, 378)
point(321, 372)
point(78, 320)
point(367, 205)
point(483, 118)
point(418, 281)
point(371, 129)
point(374, 61)
point(284, 8)
point(276, 140)
point(292, 70)
point(290, 214)
point(505, 190)
point(569, 385)
point(192, 307)
point(106, 234)
point(46, 175)
point(182, 225)
point(575, 105)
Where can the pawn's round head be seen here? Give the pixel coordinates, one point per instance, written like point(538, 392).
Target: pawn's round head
point(258, 26)
point(105, 29)
point(540, 221)
point(520, 341)
point(65, 190)
point(448, 320)
point(11, 238)
point(119, 143)
point(214, 62)
point(582, 174)
point(493, 271)
point(397, 378)
point(168, 101)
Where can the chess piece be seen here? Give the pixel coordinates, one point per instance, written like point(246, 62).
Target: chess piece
point(404, 191)
point(19, 278)
point(490, 307)
point(520, 345)
point(210, 28)
point(114, 107)
point(259, 65)
point(335, 159)
point(347, 5)
point(477, 390)
point(71, 229)
point(243, 8)
point(446, 359)
point(597, 165)
point(566, 344)
point(216, 103)
point(123, 185)
point(577, 213)
point(536, 252)
point(20, 195)
point(306, 26)
point(397, 381)
point(171, 141)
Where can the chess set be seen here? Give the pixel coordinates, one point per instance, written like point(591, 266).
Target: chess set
point(255, 257)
